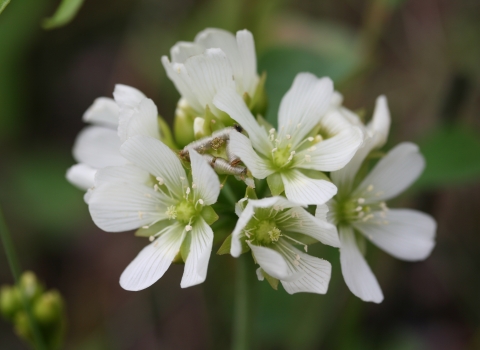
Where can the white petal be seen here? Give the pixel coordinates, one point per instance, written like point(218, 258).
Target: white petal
point(304, 105)
point(312, 274)
point(406, 234)
point(199, 255)
point(81, 175)
point(127, 96)
point(333, 153)
point(155, 157)
point(270, 261)
point(392, 174)
point(103, 111)
point(379, 126)
point(205, 179)
point(226, 41)
point(121, 174)
point(248, 58)
point(139, 120)
point(98, 147)
point(260, 274)
point(376, 135)
point(306, 223)
point(356, 272)
point(304, 190)
point(177, 73)
point(344, 177)
point(322, 211)
point(206, 75)
point(125, 206)
point(230, 102)
point(183, 50)
point(152, 262)
point(242, 147)
point(237, 233)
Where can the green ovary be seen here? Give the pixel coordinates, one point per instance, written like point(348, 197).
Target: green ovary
point(281, 157)
point(266, 232)
point(185, 212)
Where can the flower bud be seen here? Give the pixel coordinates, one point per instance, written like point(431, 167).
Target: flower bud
point(30, 285)
point(183, 124)
point(258, 103)
point(10, 302)
point(48, 309)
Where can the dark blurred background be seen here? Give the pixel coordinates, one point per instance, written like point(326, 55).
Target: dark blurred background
point(423, 55)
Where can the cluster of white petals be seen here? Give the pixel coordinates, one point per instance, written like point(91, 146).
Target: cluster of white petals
point(168, 192)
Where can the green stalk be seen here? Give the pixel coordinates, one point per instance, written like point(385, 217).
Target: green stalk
point(240, 317)
point(15, 269)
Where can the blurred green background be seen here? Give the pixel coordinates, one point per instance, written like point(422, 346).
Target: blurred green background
point(423, 55)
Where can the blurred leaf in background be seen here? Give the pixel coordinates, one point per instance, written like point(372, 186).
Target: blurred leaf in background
point(3, 4)
point(453, 156)
point(322, 48)
point(65, 12)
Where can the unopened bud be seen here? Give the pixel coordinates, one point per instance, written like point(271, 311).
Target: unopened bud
point(183, 124)
point(48, 309)
point(30, 286)
point(10, 301)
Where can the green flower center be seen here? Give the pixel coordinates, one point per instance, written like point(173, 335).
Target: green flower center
point(185, 212)
point(282, 156)
point(266, 232)
point(355, 209)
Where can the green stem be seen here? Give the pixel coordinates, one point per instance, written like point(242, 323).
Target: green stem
point(240, 320)
point(229, 194)
point(15, 269)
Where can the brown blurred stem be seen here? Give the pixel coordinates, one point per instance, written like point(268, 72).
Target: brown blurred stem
point(15, 269)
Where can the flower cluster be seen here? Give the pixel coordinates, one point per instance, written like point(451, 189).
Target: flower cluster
point(305, 181)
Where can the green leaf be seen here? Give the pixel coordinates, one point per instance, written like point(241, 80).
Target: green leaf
point(225, 247)
point(209, 215)
point(271, 280)
point(452, 157)
point(275, 183)
point(64, 14)
point(3, 4)
point(227, 243)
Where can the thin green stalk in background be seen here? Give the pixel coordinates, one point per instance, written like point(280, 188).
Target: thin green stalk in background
point(240, 317)
point(15, 269)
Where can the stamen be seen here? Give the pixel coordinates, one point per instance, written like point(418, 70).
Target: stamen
point(188, 228)
point(151, 238)
point(288, 136)
point(194, 185)
point(171, 212)
point(308, 158)
point(160, 180)
point(140, 215)
point(361, 200)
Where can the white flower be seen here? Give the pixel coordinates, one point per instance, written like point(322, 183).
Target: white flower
point(216, 59)
point(98, 146)
point(292, 157)
point(361, 212)
point(156, 194)
point(269, 226)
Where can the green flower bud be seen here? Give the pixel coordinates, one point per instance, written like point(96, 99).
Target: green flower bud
point(166, 133)
point(183, 124)
point(258, 103)
point(10, 302)
point(30, 285)
point(48, 309)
